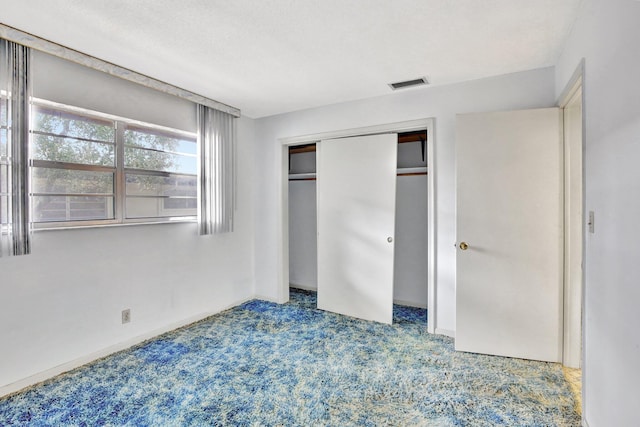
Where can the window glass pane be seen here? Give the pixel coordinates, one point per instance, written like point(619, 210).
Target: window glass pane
point(139, 158)
point(153, 207)
point(45, 180)
point(4, 210)
point(72, 208)
point(69, 124)
point(71, 150)
point(156, 140)
point(4, 112)
point(4, 179)
point(186, 203)
point(154, 150)
point(147, 185)
point(3, 142)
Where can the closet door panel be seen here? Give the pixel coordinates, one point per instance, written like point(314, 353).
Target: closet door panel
point(356, 198)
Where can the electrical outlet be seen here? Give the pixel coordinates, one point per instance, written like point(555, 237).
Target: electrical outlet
point(126, 316)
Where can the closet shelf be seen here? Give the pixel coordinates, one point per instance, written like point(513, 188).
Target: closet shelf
point(311, 176)
point(412, 171)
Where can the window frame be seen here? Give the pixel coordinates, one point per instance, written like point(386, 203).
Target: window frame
point(119, 170)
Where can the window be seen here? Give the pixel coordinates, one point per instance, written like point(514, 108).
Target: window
point(160, 171)
point(89, 168)
point(73, 167)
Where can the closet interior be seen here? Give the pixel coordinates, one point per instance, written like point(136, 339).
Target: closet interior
point(410, 258)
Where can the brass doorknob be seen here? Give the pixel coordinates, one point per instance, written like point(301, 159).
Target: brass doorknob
point(464, 246)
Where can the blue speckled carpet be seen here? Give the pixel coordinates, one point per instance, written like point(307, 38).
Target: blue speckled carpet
point(285, 365)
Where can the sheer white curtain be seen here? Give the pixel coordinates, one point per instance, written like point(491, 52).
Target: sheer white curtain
point(14, 149)
point(217, 175)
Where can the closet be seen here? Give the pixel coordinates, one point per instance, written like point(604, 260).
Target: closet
point(410, 257)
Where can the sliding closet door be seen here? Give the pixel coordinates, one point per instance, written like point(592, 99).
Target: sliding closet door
point(356, 190)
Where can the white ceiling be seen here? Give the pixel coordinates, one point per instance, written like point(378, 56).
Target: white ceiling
point(272, 56)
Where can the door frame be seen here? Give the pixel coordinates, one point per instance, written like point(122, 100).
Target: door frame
point(397, 127)
point(573, 333)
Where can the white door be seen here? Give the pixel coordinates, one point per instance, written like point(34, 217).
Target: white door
point(510, 220)
point(356, 190)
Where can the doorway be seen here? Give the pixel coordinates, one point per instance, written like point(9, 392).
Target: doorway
point(415, 125)
point(410, 237)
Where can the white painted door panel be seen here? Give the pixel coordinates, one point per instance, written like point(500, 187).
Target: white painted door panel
point(356, 219)
point(509, 212)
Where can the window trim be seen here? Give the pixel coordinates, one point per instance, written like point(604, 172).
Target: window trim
point(119, 170)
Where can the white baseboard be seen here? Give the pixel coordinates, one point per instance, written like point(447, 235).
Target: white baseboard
point(446, 332)
point(76, 363)
point(584, 422)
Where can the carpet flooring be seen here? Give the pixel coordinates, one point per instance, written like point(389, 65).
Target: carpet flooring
point(574, 378)
point(264, 364)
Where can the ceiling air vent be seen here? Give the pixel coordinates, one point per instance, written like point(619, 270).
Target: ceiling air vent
point(409, 83)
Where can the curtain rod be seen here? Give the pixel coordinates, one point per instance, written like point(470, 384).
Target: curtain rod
point(46, 46)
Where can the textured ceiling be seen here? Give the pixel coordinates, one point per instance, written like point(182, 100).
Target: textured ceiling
point(272, 56)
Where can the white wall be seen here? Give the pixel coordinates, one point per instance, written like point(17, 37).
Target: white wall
point(410, 261)
point(607, 36)
point(303, 236)
point(63, 302)
point(529, 89)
